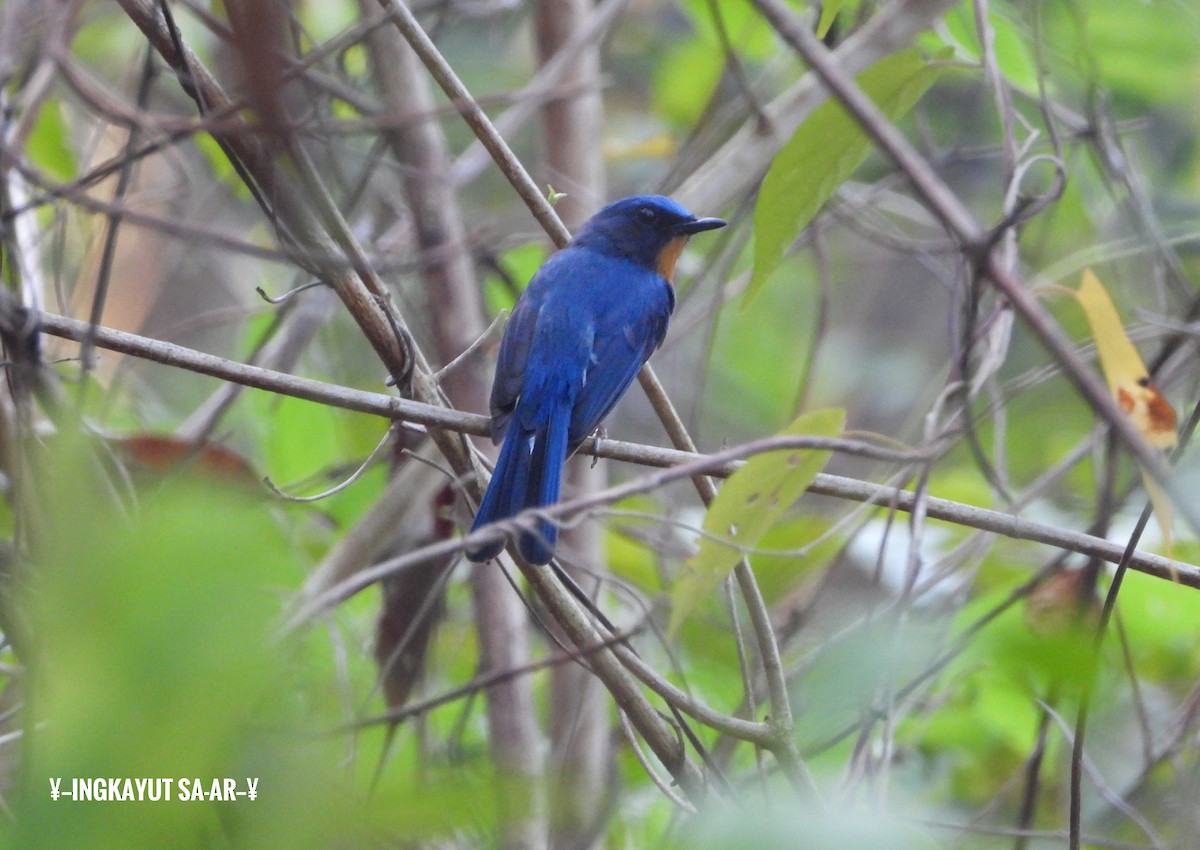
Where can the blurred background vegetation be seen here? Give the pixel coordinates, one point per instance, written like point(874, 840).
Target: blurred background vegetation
point(935, 671)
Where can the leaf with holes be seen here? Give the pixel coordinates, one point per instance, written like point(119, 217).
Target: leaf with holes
point(748, 504)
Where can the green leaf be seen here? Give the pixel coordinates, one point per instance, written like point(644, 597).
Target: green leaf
point(747, 29)
point(1142, 54)
point(303, 439)
point(748, 505)
point(1160, 620)
point(689, 71)
point(780, 575)
point(1011, 46)
point(686, 79)
point(520, 264)
point(222, 168)
point(155, 657)
point(48, 146)
point(823, 153)
point(829, 13)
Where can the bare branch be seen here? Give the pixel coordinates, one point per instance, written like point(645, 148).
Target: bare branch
point(721, 464)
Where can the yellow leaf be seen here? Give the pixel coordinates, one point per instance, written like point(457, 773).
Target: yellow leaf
point(661, 146)
point(1164, 511)
point(747, 506)
point(1151, 413)
point(1129, 383)
point(1120, 361)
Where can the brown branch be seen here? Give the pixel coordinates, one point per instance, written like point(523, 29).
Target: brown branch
point(676, 462)
point(508, 163)
point(420, 146)
point(551, 77)
point(760, 618)
point(483, 682)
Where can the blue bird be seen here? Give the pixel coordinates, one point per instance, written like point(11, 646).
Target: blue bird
point(591, 316)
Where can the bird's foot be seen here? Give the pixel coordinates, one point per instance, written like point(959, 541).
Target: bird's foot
point(601, 434)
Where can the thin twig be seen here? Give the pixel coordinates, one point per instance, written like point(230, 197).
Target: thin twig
point(658, 781)
point(760, 618)
point(1075, 807)
point(479, 342)
point(479, 683)
point(109, 251)
point(354, 476)
point(291, 293)
point(473, 160)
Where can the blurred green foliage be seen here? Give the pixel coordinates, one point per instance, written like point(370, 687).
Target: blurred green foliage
point(155, 657)
point(48, 145)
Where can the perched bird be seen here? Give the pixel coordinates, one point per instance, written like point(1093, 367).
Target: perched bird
point(591, 316)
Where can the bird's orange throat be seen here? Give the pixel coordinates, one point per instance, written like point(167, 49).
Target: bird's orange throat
point(668, 256)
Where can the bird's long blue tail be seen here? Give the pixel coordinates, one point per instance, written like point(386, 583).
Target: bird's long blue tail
point(528, 474)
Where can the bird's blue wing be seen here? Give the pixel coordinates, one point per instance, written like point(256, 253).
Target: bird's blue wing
point(619, 350)
point(513, 357)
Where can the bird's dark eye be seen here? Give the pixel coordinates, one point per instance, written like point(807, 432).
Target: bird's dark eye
point(648, 214)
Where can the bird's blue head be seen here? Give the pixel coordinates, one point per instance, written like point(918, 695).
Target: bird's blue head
point(650, 230)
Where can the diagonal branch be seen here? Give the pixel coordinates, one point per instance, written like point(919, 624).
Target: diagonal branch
point(736, 168)
point(512, 168)
point(478, 121)
point(976, 244)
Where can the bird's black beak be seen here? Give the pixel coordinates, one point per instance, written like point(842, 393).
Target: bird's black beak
point(698, 225)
